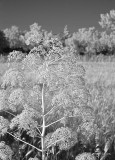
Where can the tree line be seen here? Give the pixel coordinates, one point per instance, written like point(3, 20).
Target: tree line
point(86, 41)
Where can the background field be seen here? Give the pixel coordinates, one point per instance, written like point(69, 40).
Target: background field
point(100, 70)
point(95, 71)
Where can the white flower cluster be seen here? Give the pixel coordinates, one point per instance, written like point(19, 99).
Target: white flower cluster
point(31, 62)
point(2, 99)
point(62, 137)
point(15, 56)
point(16, 97)
point(4, 123)
point(5, 151)
point(12, 77)
point(85, 156)
point(26, 121)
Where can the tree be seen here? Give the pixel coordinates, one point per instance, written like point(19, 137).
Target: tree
point(15, 37)
point(65, 36)
point(108, 20)
point(34, 36)
point(39, 94)
point(3, 42)
point(85, 41)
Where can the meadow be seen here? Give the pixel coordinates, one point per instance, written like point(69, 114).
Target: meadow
point(95, 71)
point(50, 109)
point(102, 73)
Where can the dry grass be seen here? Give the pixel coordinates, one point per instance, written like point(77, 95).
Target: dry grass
point(3, 68)
point(94, 71)
point(99, 70)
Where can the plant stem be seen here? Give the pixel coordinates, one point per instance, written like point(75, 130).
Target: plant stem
point(43, 125)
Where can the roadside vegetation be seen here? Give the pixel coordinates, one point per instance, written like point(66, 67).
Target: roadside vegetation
point(57, 93)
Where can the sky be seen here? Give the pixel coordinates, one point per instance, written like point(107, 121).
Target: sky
point(53, 15)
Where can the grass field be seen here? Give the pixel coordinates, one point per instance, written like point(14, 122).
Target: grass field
point(3, 68)
point(94, 71)
point(101, 101)
point(104, 71)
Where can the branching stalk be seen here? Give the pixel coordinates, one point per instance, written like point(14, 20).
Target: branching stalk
point(38, 130)
point(50, 111)
point(10, 113)
point(43, 125)
point(24, 142)
point(55, 142)
point(55, 122)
